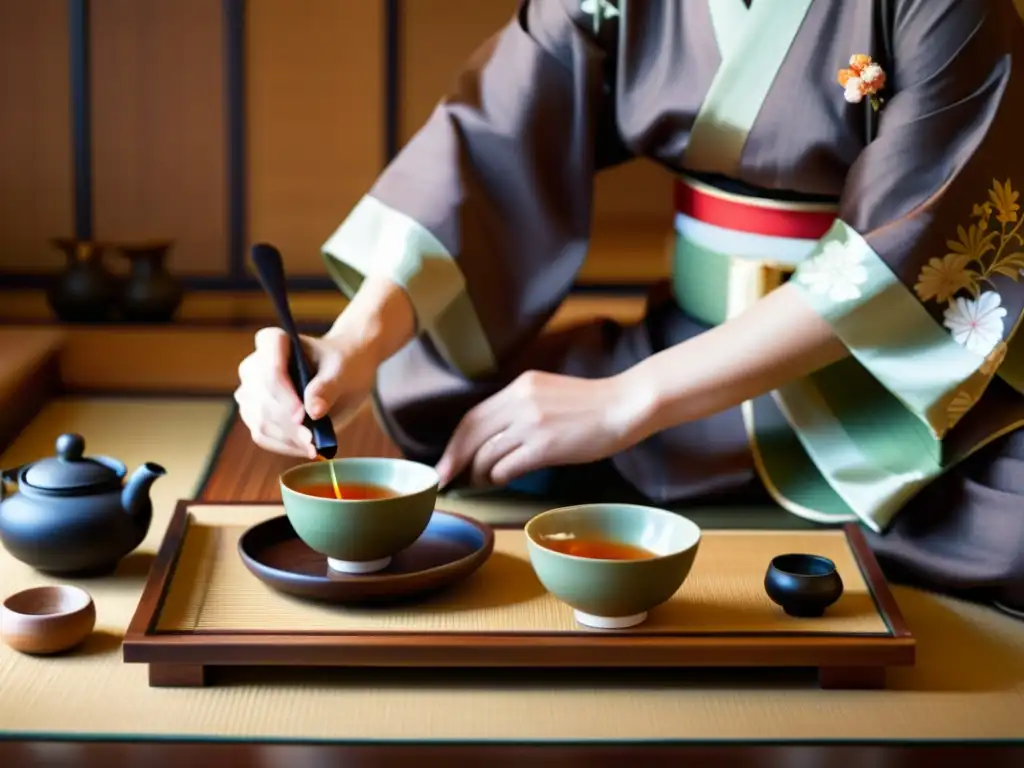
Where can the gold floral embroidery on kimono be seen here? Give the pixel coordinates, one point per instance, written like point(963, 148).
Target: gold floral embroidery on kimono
point(990, 246)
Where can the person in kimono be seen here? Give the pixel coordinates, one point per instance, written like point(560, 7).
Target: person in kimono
point(839, 332)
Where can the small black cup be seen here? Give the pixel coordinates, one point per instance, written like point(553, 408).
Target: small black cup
point(804, 585)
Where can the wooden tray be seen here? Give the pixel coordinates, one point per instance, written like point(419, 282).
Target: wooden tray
point(201, 609)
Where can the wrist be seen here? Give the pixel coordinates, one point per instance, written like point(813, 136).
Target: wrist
point(378, 321)
point(638, 404)
point(361, 335)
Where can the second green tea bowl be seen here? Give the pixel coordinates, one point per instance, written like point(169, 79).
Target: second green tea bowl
point(612, 593)
point(360, 535)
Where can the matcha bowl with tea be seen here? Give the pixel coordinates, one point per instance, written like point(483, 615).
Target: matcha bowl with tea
point(612, 563)
point(378, 508)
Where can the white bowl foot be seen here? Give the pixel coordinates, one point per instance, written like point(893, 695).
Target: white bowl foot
point(610, 622)
point(367, 566)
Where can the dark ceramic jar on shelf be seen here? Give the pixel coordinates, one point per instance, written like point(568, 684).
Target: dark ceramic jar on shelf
point(85, 291)
point(150, 293)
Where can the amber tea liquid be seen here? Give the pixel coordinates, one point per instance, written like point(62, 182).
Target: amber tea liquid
point(347, 491)
point(598, 549)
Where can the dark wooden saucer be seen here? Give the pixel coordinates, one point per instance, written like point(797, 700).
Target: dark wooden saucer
point(451, 548)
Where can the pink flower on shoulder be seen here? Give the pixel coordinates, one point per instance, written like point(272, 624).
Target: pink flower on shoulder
point(863, 77)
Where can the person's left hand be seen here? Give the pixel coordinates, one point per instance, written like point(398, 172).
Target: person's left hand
point(541, 420)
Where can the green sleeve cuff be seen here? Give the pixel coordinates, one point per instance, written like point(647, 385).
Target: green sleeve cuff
point(377, 240)
point(888, 330)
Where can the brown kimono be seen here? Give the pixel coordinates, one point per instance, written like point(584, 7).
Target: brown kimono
point(901, 225)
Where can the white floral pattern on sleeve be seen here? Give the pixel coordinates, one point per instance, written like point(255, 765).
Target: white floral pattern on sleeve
point(837, 271)
point(991, 246)
point(977, 324)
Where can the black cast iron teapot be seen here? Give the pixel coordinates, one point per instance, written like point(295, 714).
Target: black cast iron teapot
point(74, 515)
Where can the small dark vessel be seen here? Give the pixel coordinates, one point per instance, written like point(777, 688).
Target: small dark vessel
point(803, 585)
point(150, 293)
point(85, 291)
point(74, 515)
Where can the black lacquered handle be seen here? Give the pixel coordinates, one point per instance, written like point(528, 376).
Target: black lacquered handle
point(270, 270)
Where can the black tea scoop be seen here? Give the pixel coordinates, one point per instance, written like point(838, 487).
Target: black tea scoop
point(270, 270)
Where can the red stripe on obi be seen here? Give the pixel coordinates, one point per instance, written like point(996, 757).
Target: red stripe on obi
point(761, 217)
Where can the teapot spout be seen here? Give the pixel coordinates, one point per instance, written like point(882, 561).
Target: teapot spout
point(135, 496)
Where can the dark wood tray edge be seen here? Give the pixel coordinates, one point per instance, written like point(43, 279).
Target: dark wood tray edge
point(155, 589)
point(885, 600)
point(181, 659)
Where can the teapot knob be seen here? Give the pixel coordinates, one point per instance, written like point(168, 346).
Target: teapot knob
point(70, 447)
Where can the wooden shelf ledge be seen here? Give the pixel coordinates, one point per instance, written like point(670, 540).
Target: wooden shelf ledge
point(29, 375)
point(201, 356)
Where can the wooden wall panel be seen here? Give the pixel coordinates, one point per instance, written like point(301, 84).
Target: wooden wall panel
point(437, 37)
point(633, 201)
point(639, 193)
point(159, 129)
point(36, 169)
point(315, 119)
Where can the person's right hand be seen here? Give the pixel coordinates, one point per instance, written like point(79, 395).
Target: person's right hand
point(273, 411)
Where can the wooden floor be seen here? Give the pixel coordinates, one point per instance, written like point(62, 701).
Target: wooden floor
point(243, 471)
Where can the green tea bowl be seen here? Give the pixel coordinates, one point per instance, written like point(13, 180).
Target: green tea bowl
point(359, 536)
point(612, 593)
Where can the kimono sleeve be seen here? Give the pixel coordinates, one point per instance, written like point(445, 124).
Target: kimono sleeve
point(921, 274)
point(484, 216)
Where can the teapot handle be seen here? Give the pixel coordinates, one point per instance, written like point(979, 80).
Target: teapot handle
point(9, 476)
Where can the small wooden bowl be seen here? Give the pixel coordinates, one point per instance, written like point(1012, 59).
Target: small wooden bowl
point(46, 620)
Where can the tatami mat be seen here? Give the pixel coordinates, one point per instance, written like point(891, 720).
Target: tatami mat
point(968, 681)
point(214, 591)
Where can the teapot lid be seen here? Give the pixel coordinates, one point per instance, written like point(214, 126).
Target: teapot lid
point(70, 470)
